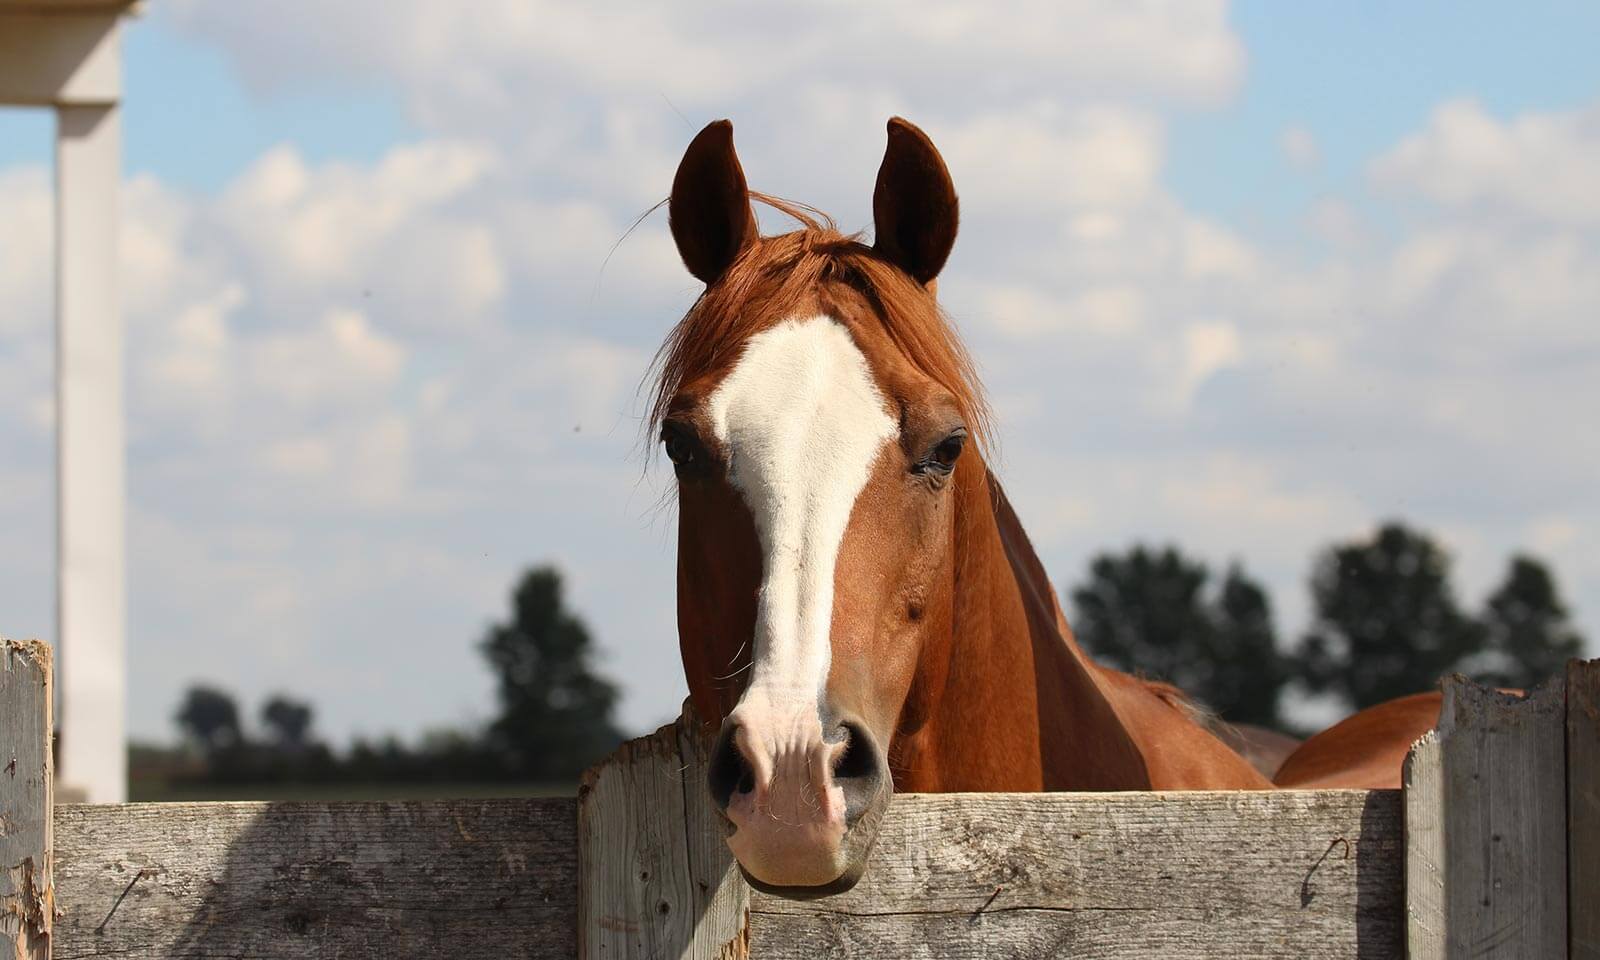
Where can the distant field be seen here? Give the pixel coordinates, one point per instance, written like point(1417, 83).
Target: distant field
point(160, 792)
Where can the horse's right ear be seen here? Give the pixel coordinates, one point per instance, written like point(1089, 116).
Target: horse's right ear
point(710, 211)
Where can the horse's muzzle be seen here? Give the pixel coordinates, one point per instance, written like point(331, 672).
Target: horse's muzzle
point(805, 810)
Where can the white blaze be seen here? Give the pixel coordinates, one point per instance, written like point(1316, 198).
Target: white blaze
point(801, 421)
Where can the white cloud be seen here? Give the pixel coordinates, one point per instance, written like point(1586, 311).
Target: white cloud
point(1334, 221)
point(27, 246)
point(511, 53)
point(1539, 166)
point(396, 231)
point(341, 359)
point(1208, 347)
point(1038, 161)
point(1299, 147)
point(1106, 311)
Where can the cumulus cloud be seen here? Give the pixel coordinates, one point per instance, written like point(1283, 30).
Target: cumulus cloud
point(1299, 147)
point(397, 228)
point(1538, 165)
point(699, 52)
point(1042, 161)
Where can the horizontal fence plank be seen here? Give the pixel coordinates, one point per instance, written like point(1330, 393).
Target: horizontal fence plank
point(1286, 873)
point(462, 879)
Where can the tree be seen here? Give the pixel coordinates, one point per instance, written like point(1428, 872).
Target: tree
point(210, 718)
point(555, 712)
point(1386, 622)
point(1148, 611)
point(289, 722)
point(1528, 635)
point(1251, 671)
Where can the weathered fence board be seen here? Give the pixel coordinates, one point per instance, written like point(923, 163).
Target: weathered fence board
point(658, 880)
point(461, 879)
point(1583, 808)
point(1305, 874)
point(1486, 827)
point(26, 780)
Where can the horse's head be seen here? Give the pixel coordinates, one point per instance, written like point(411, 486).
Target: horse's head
point(815, 406)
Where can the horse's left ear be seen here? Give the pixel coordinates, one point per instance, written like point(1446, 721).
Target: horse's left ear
point(914, 208)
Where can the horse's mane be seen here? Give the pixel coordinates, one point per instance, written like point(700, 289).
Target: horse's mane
point(1175, 698)
point(771, 280)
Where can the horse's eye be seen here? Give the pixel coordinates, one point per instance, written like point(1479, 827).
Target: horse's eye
point(680, 449)
point(944, 456)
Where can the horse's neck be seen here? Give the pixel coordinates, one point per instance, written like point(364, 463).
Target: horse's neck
point(1022, 707)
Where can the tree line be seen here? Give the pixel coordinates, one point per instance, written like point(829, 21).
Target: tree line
point(1386, 622)
point(556, 716)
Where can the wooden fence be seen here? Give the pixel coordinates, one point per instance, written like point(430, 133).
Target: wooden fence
point(1492, 850)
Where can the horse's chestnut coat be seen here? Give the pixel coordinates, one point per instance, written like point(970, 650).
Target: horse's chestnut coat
point(857, 601)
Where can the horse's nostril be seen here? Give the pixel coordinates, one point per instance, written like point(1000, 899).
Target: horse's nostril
point(858, 759)
point(730, 771)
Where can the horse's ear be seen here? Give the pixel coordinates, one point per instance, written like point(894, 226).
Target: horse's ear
point(710, 211)
point(914, 207)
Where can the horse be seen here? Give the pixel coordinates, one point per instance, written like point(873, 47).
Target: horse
point(857, 601)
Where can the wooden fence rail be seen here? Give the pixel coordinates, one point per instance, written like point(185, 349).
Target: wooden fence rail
point(1493, 850)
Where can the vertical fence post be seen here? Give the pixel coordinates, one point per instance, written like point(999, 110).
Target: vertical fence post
point(91, 554)
point(27, 892)
point(1583, 807)
point(655, 878)
point(1486, 827)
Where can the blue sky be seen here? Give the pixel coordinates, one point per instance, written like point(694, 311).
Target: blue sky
point(376, 366)
point(1361, 76)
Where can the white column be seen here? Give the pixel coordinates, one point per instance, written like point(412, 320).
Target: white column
point(90, 538)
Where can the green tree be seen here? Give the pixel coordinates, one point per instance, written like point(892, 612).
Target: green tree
point(555, 712)
point(1386, 622)
point(289, 722)
point(1149, 611)
point(1525, 622)
point(1251, 672)
point(209, 718)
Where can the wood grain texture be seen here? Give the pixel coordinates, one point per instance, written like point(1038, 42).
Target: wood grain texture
point(1583, 808)
point(721, 897)
point(26, 779)
point(657, 879)
point(1176, 875)
point(1486, 834)
point(476, 879)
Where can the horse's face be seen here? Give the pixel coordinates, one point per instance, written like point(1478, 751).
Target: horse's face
point(815, 466)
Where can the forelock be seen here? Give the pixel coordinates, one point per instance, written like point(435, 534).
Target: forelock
point(778, 277)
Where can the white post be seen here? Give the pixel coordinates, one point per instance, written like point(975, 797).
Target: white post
point(66, 54)
point(91, 585)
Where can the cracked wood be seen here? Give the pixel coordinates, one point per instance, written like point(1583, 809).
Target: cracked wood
point(658, 880)
point(467, 879)
point(26, 778)
point(1291, 873)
